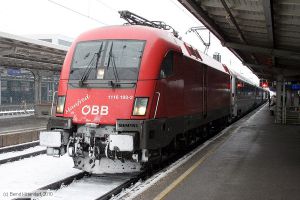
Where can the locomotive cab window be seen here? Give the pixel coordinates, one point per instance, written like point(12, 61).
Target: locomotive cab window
point(166, 68)
point(107, 60)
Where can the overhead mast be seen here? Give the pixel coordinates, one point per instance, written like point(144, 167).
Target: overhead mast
point(134, 19)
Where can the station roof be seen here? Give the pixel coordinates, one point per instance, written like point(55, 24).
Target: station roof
point(263, 34)
point(21, 52)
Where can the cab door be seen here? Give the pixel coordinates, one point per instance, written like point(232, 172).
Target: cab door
point(204, 91)
point(168, 97)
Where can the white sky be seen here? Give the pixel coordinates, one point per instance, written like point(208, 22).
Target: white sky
point(21, 17)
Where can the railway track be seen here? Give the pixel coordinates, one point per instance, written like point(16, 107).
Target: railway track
point(64, 182)
point(19, 147)
point(121, 187)
point(64, 189)
point(10, 154)
point(17, 144)
point(100, 187)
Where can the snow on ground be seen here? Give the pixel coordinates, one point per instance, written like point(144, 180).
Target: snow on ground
point(29, 174)
point(19, 153)
point(87, 188)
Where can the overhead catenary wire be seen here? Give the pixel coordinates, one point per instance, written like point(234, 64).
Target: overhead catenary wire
point(79, 13)
point(184, 12)
point(107, 6)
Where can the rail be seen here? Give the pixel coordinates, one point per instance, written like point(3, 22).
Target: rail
point(10, 156)
point(19, 157)
point(123, 181)
point(19, 147)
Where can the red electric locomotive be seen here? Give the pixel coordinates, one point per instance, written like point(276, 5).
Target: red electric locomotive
point(128, 94)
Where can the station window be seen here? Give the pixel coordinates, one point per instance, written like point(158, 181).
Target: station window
point(47, 40)
point(167, 65)
point(64, 42)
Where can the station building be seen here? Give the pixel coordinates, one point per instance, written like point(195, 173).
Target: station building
point(18, 84)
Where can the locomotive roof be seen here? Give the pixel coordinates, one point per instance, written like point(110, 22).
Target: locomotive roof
point(241, 77)
point(136, 32)
point(205, 59)
point(139, 32)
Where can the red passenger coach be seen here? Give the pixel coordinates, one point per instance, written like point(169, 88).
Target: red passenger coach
point(129, 94)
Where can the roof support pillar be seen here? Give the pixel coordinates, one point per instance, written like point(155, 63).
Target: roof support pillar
point(37, 87)
point(279, 105)
point(0, 88)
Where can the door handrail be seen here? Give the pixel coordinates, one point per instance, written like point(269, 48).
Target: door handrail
point(158, 98)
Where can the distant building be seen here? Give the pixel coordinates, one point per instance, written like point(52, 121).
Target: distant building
point(53, 38)
point(217, 56)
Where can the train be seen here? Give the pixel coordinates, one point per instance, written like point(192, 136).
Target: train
point(130, 95)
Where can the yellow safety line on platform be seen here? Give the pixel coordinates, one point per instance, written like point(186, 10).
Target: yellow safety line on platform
point(174, 184)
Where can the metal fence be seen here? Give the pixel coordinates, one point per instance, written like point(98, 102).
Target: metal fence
point(7, 111)
point(288, 115)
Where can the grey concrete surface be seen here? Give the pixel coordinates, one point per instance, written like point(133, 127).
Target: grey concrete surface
point(260, 160)
point(21, 123)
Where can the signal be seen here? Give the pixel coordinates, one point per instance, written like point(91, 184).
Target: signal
point(264, 84)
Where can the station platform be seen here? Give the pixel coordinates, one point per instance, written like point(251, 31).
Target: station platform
point(254, 159)
point(8, 125)
point(20, 130)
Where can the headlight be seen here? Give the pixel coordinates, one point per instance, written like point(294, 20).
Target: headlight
point(60, 104)
point(140, 106)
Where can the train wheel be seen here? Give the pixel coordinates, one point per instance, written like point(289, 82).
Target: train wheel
point(229, 120)
point(204, 133)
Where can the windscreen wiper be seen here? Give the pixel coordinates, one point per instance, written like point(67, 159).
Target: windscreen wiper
point(115, 72)
point(88, 69)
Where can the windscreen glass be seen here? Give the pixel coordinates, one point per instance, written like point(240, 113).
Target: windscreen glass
point(107, 60)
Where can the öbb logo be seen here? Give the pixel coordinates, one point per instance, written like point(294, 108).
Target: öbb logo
point(94, 110)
